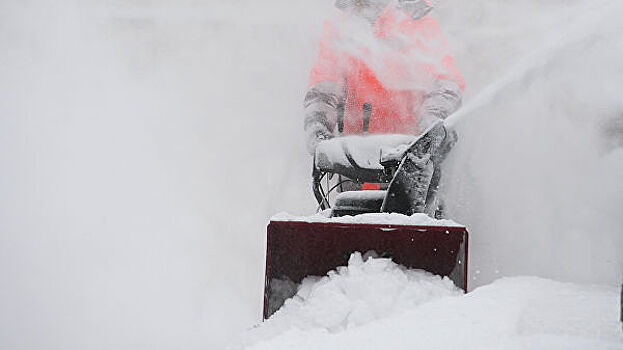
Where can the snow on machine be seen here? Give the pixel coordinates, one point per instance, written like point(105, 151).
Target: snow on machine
point(387, 200)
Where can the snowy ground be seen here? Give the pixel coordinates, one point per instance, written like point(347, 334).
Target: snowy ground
point(144, 145)
point(375, 304)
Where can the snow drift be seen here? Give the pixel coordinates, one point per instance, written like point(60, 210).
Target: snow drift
point(375, 304)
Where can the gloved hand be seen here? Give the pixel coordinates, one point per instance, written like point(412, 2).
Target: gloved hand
point(450, 137)
point(439, 103)
point(316, 133)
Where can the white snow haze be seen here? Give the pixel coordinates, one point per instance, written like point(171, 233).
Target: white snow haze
point(144, 145)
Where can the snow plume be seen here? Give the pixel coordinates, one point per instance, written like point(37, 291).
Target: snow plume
point(143, 146)
point(367, 290)
point(98, 244)
point(138, 168)
point(530, 176)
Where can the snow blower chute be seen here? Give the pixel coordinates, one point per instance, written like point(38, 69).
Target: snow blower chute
point(374, 175)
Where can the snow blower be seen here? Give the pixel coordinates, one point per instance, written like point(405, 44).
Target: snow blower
point(375, 175)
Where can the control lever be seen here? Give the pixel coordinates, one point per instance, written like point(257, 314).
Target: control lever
point(340, 118)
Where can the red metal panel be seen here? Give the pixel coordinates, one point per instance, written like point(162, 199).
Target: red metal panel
point(299, 249)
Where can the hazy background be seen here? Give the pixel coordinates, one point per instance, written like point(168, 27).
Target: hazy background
point(145, 144)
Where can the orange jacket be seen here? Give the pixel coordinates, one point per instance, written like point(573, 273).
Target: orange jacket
point(400, 65)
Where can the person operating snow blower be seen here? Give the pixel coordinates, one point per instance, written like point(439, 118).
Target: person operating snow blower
point(386, 63)
point(378, 94)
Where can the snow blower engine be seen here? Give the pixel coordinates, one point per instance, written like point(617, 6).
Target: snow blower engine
point(372, 174)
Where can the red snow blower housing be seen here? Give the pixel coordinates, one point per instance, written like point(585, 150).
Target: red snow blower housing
point(404, 171)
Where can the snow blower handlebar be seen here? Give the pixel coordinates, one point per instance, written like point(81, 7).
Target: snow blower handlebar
point(321, 198)
point(318, 175)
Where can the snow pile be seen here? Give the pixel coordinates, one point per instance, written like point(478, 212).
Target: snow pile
point(365, 291)
point(511, 313)
point(417, 219)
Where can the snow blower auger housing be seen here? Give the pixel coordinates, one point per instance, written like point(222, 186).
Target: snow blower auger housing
point(374, 174)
